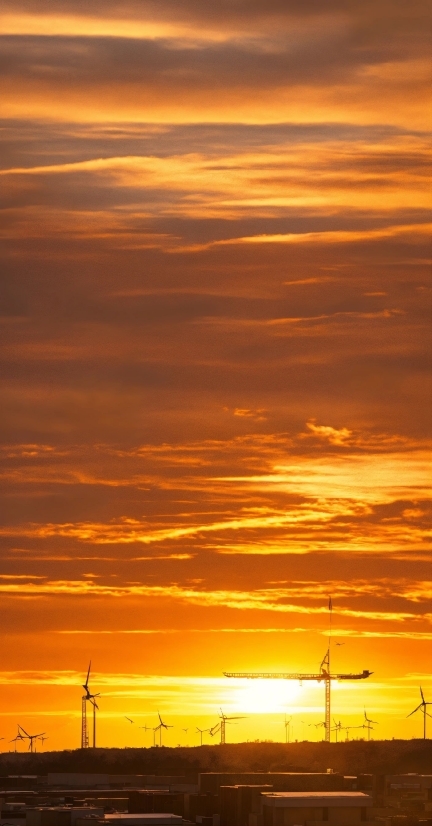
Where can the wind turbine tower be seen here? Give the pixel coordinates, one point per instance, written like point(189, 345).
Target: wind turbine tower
point(202, 731)
point(88, 697)
point(423, 706)
point(368, 724)
point(287, 724)
point(84, 729)
point(160, 727)
point(337, 728)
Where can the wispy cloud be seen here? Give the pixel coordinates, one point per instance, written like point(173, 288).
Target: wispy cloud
point(214, 376)
point(276, 599)
point(421, 636)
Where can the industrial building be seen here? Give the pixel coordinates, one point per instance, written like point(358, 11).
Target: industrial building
point(216, 799)
point(308, 808)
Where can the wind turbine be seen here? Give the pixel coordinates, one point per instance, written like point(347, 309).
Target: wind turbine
point(337, 728)
point(146, 728)
point(15, 739)
point(423, 706)
point(150, 728)
point(42, 739)
point(223, 721)
point(155, 730)
point(88, 697)
point(160, 727)
point(287, 724)
point(84, 730)
point(368, 724)
point(201, 732)
point(348, 729)
point(303, 725)
point(30, 738)
point(128, 718)
point(317, 725)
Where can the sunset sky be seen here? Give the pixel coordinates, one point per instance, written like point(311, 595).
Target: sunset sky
point(215, 401)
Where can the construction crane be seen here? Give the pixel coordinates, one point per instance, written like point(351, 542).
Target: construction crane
point(323, 675)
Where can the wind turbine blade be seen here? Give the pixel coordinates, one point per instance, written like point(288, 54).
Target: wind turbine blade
point(23, 730)
point(422, 695)
point(416, 709)
point(88, 676)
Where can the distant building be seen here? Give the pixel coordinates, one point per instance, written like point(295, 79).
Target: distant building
point(309, 808)
point(60, 815)
point(159, 819)
point(280, 781)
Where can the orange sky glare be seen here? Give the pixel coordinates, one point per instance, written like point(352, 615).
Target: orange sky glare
point(216, 363)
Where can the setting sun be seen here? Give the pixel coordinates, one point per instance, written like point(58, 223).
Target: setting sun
point(264, 696)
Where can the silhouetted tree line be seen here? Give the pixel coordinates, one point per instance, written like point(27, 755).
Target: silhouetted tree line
point(355, 757)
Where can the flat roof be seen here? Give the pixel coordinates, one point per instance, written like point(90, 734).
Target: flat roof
point(150, 816)
point(317, 798)
point(74, 809)
point(316, 794)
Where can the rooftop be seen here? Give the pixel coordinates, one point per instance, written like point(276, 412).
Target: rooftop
point(338, 799)
point(160, 817)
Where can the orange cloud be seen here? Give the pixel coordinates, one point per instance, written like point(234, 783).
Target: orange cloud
point(214, 293)
point(266, 599)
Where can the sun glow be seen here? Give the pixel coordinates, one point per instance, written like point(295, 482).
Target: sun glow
point(264, 696)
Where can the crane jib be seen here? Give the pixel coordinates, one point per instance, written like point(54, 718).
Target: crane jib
point(316, 677)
